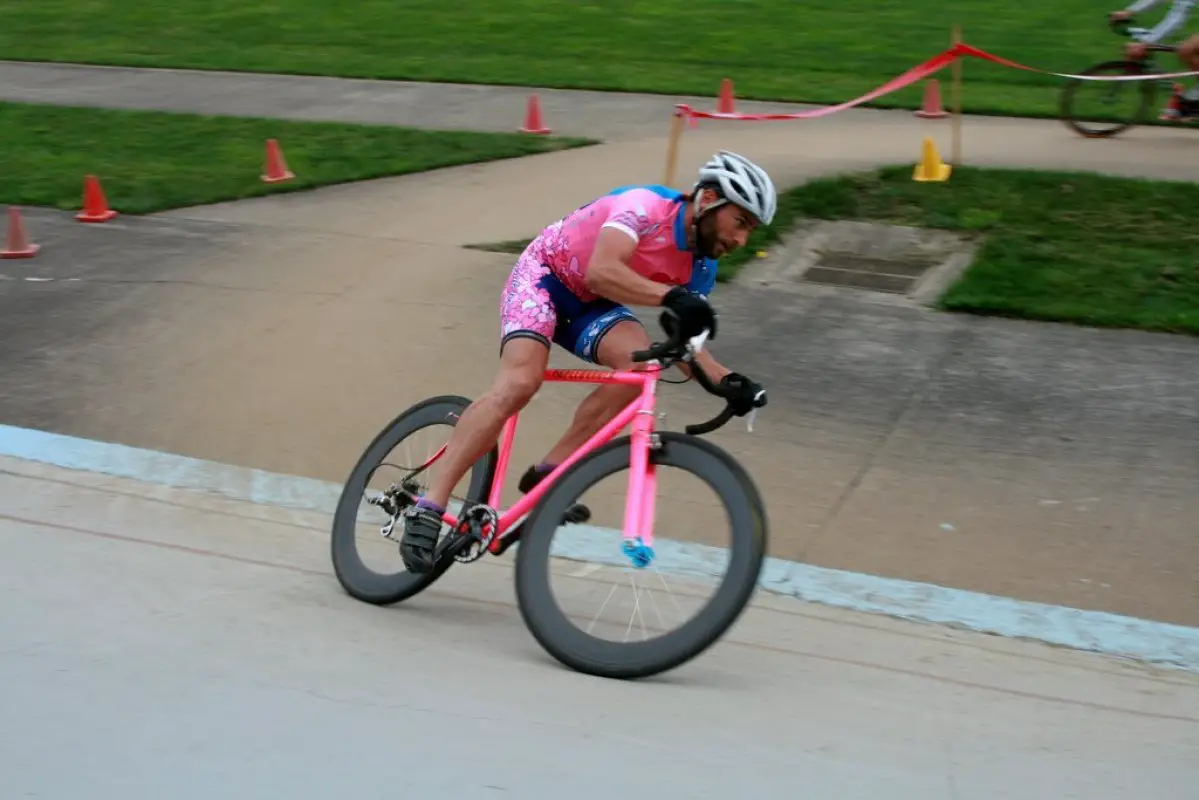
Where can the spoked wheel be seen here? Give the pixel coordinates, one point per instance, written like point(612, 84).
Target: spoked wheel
point(1102, 109)
point(387, 478)
point(678, 577)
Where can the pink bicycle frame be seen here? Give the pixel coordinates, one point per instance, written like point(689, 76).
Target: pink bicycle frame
point(642, 487)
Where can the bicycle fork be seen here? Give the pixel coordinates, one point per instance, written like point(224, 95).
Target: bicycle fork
point(643, 482)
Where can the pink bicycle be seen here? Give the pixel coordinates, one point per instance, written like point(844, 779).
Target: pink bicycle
point(481, 528)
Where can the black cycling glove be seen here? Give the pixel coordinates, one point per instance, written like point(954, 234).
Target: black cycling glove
point(692, 312)
point(743, 394)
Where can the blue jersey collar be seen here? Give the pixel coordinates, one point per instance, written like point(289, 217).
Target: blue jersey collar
point(680, 230)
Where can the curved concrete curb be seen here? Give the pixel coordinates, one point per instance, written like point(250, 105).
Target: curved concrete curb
point(1110, 634)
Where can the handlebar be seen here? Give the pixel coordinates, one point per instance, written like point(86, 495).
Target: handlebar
point(674, 349)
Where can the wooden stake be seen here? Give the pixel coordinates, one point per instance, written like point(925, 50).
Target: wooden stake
point(672, 147)
point(956, 154)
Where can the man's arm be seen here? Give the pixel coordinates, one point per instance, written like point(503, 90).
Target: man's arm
point(1173, 20)
point(711, 367)
point(609, 274)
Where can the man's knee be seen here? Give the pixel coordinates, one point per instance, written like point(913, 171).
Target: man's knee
point(522, 370)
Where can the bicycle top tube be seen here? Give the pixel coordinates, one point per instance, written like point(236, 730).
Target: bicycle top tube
point(665, 354)
point(627, 376)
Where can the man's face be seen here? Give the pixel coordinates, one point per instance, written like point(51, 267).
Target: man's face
point(725, 229)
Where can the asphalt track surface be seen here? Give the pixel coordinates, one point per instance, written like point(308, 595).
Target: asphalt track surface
point(175, 644)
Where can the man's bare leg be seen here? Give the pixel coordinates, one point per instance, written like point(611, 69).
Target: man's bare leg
point(522, 367)
point(598, 408)
point(616, 350)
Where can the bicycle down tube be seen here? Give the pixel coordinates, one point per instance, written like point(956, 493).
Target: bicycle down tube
point(642, 478)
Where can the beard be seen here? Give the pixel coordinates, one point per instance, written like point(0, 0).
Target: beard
point(706, 240)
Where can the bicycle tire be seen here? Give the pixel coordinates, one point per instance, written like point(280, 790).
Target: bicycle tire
point(1119, 67)
point(583, 653)
point(359, 580)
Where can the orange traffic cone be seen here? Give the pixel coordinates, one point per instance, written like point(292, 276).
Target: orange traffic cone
point(932, 101)
point(18, 244)
point(725, 103)
point(95, 206)
point(533, 123)
point(276, 165)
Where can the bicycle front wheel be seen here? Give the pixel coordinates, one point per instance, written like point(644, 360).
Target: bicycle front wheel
point(537, 564)
point(1102, 109)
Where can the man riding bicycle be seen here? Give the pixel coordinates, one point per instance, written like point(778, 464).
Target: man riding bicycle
point(1187, 103)
point(638, 245)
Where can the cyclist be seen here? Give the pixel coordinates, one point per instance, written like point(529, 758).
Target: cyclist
point(643, 245)
point(1185, 104)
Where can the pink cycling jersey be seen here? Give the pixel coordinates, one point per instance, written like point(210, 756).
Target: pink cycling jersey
point(645, 215)
point(546, 296)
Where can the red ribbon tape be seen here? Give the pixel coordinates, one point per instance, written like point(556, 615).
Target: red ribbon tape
point(917, 73)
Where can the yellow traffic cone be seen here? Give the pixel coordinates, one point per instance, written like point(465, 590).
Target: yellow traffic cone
point(931, 167)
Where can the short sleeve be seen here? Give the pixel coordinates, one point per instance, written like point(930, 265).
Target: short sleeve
point(634, 212)
point(703, 276)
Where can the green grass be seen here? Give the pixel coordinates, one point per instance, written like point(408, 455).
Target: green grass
point(150, 161)
point(1070, 247)
point(822, 52)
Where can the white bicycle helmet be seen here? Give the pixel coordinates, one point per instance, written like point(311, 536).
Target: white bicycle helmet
point(741, 182)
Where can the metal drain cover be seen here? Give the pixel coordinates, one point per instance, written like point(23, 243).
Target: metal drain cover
point(902, 262)
point(863, 272)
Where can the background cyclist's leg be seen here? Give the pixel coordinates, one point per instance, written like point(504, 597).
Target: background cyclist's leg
point(615, 349)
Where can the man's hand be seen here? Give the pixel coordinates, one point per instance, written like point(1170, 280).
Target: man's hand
point(1136, 51)
point(1120, 16)
point(691, 313)
point(744, 394)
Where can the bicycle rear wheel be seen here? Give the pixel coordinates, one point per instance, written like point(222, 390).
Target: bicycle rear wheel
point(1128, 102)
point(354, 575)
point(553, 629)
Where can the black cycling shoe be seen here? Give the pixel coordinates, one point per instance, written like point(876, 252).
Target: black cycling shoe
point(531, 478)
point(576, 513)
point(422, 528)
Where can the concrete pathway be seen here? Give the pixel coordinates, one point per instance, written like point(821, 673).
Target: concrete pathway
point(609, 116)
point(281, 333)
